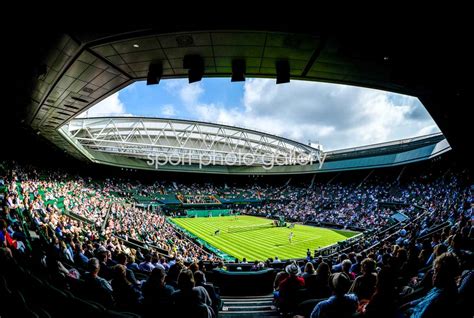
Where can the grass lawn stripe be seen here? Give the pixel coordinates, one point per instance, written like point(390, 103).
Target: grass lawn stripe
point(262, 243)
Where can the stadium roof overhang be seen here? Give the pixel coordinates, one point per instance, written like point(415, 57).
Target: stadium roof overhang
point(173, 143)
point(83, 68)
point(192, 146)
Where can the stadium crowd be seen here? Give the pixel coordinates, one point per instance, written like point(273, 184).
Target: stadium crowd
point(74, 233)
point(346, 205)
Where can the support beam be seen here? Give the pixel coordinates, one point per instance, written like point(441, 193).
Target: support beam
point(366, 177)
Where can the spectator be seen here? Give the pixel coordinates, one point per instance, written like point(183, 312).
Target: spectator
point(288, 296)
point(173, 273)
point(122, 260)
point(308, 272)
point(346, 268)
point(105, 271)
point(439, 300)
point(254, 266)
point(466, 293)
point(126, 295)
point(356, 267)
point(6, 240)
point(80, 259)
point(157, 296)
point(191, 301)
point(319, 286)
point(383, 302)
point(280, 276)
point(200, 279)
point(340, 305)
point(146, 265)
point(364, 285)
point(97, 288)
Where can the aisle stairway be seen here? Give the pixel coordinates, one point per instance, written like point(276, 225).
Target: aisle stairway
point(248, 306)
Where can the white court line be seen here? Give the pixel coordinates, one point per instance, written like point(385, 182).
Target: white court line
point(296, 243)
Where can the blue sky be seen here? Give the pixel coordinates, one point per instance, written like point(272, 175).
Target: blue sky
point(337, 116)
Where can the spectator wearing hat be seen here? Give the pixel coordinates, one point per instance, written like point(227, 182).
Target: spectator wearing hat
point(289, 287)
point(340, 305)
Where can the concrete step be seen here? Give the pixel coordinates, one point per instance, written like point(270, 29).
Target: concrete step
point(249, 314)
point(268, 297)
point(248, 302)
point(248, 306)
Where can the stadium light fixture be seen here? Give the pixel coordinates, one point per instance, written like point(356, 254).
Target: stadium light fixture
point(238, 71)
point(195, 66)
point(155, 71)
point(282, 71)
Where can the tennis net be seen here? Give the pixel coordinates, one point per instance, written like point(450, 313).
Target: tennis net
point(234, 229)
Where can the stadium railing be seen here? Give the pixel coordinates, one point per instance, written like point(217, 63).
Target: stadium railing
point(77, 217)
point(333, 226)
point(106, 219)
point(436, 228)
point(402, 225)
point(132, 243)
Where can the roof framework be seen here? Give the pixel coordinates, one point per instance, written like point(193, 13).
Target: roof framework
point(184, 140)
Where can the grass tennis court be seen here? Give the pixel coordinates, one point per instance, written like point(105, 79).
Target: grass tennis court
point(262, 243)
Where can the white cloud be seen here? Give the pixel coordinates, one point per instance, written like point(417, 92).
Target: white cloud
point(168, 110)
point(337, 116)
point(190, 93)
point(111, 106)
point(172, 85)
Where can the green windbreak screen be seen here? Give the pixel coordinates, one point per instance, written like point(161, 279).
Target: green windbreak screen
point(206, 213)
